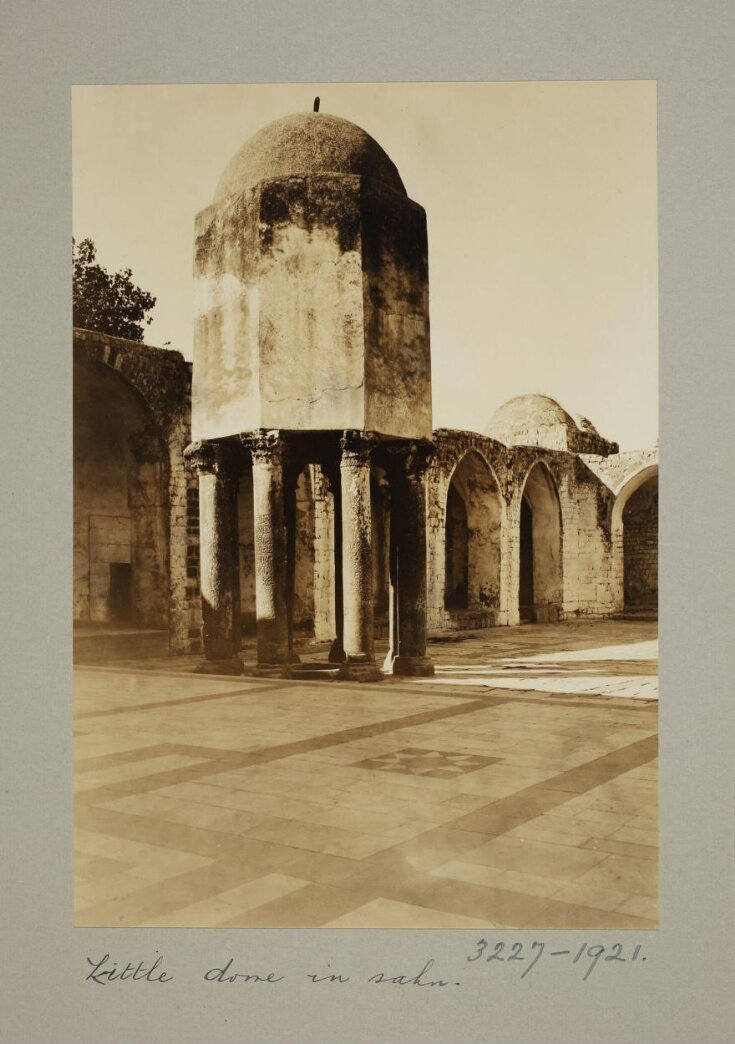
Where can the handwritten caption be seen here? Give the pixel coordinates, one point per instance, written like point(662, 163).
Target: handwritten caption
point(521, 957)
point(588, 955)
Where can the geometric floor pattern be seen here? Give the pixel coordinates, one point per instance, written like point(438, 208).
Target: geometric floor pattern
point(417, 761)
point(253, 802)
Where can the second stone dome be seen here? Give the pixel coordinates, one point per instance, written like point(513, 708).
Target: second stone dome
point(307, 143)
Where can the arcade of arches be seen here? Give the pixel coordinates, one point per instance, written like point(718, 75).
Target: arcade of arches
point(283, 507)
point(513, 533)
point(290, 481)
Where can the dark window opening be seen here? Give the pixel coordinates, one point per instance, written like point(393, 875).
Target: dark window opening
point(526, 602)
point(121, 591)
point(457, 552)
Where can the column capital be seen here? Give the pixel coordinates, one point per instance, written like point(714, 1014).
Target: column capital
point(267, 446)
point(357, 447)
point(223, 459)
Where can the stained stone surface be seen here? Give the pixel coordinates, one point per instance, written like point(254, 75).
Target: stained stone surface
point(307, 143)
point(311, 286)
point(417, 761)
point(539, 420)
point(489, 477)
point(258, 803)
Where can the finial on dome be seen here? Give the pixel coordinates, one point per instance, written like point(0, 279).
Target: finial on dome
point(316, 104)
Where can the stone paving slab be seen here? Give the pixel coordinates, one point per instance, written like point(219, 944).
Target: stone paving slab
point(453, 802)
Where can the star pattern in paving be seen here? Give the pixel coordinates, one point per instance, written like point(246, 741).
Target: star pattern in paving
point(417, 761)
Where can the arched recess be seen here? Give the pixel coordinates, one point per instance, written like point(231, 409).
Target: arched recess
point(634, 530)
point(541, 582)
point(121, 532)
point(472, 537)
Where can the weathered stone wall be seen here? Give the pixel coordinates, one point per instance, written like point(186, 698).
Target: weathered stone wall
point(588, 582)
point(621, 475)
point(395, 268)
point(312, 310)
point(584, 503)
point(311, 362)
point(146, 414)
point(607, 522)
point(120, 504)
point(105, 416)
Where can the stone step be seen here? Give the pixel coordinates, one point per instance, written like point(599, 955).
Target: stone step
point(472, 619)
point(104, 646)
point(314, 671)
point(647, 614)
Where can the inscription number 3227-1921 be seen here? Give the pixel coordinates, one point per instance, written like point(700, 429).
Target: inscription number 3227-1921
point(588, 955)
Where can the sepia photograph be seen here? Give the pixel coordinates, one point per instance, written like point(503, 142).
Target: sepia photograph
point(365, 505)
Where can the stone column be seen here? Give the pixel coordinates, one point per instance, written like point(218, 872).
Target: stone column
point(407, 653)
point(289, 519)
point(510, 554)
point(357, 558)
point(218, 466)
point(381, 543)
point(334, 482)
point(325, 627)
point(437, 486)
point(271, 576)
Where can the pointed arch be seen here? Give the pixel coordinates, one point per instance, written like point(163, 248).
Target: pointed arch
point(634, 530)
point(541, 580)
point(473, 517)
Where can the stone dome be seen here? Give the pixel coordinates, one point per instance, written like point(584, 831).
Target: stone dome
point(532, 420)
point(585, 424)
point(307, 143)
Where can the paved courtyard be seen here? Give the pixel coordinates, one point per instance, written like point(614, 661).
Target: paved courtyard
point(516, 788)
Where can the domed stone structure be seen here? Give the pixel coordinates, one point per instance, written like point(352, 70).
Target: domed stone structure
point(585, 424)
point(311, 284)
point(531, 420)
point(311, 350)
point(539, 420)
point(307, 143)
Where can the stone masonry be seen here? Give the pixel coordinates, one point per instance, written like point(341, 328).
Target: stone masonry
point(289, 482)
point(589, 488)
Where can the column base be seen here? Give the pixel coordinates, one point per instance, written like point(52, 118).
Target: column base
point(268, 670)
point(275, 656)
point(337, 652)
point(412, 666)
point(233, 665)
point(359, 672)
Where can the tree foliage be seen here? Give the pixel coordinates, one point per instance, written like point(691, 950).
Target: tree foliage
point(104, 301)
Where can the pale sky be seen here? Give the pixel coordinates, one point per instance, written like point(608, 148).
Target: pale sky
point(541, 210)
